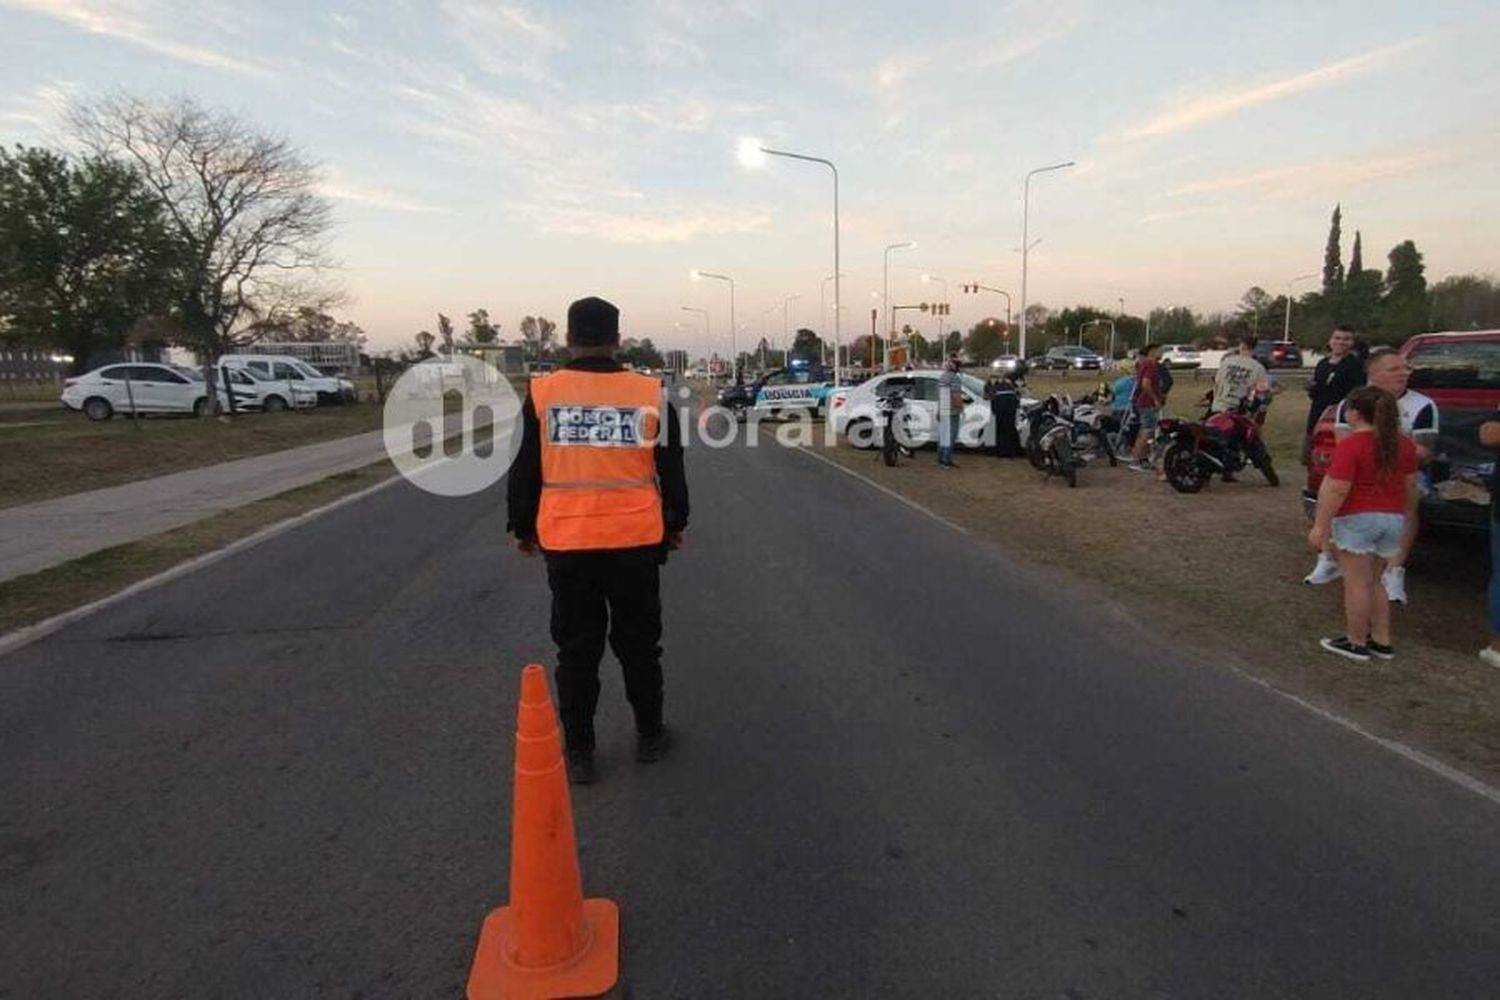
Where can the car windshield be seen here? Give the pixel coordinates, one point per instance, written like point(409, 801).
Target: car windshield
point(308, 370)
point(972, 384)
point(187, 373)
point(1457, 364)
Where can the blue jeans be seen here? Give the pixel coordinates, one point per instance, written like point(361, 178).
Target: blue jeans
point(1495, 576)
point(947, 435)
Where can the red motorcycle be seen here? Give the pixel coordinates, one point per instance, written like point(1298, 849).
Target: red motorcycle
point(1221, 444)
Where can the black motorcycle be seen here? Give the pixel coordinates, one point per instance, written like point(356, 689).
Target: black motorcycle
point(1049, 441)
point(892, 428)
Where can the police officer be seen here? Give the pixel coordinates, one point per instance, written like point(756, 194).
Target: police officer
point(598, 487)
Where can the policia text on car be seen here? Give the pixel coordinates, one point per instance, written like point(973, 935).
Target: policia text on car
point(598, 486)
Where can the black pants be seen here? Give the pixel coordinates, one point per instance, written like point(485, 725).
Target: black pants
point(599, 593)
point(1003, 407)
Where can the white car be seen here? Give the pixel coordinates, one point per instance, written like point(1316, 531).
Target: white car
point(138, 388)
point(854, 411)
point(253, 391)
point(293, 371)
point(1180, 356)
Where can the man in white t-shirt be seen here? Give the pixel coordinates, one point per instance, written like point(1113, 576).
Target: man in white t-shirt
point(1388, 370)
point(1239, 375)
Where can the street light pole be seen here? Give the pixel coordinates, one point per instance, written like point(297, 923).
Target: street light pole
point(751, 153)
point(1026, 240)
point(1286, 328)
point(890, 328)
point(708, 332)
point(734, 352)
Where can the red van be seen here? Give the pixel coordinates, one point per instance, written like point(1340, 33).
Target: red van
point(1461, 373)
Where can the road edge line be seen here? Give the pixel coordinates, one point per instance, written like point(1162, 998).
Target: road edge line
point(1409, 753)
point(28, 634)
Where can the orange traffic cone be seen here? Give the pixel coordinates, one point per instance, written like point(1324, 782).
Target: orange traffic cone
point(550, 941)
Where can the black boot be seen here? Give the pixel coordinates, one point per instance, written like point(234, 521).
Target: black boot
point(581, 770)
point(652, 747)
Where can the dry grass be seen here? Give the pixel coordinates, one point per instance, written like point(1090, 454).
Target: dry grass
point(66, 453)
point(1222, 571)
point(28, 599)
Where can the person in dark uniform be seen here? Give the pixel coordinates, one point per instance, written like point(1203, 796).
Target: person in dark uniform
point(1005, 403)
point(598, 486)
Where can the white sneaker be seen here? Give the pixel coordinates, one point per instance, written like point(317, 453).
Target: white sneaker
point(1490, 655)
point(1394, 582)
point(1326, 571)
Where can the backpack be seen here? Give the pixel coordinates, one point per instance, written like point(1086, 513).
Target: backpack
point(1164, 380)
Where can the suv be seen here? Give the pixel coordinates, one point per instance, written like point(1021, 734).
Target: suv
point(1071, 356)
point(1278, 354)
point(1180, 356)
point(1461, 374)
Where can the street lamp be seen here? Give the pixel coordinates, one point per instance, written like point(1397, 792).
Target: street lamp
point(753, 155)
point(1026, 240)
point(1097, 322)
point(823, 304)
point(1286, 328)
point(928, 279)
point(708, 329)
point(734, 353)
point(786, 325)
point(890, 329)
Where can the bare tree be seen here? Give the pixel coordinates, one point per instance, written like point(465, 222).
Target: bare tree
point(244, 208)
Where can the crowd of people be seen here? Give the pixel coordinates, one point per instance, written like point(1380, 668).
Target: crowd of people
point(1366, 519)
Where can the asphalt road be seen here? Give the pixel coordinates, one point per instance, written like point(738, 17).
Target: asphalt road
point(907, 768)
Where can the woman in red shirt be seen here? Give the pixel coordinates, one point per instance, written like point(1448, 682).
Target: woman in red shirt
point(1363, 504)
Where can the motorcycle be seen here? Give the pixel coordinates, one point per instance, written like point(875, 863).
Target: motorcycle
point(1091, 429)
point(893, 428)
point(1048, 437)
point(1221, 444)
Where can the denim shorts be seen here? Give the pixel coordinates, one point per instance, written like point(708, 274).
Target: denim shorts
point(1369, 534)
point(1148, 417)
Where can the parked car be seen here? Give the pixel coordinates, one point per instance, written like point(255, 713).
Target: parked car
point(138, 389)
point(1006, 364)
point(1072, 357)
point(854, 412)
point(1278, 354)
point(258, 392)
point(285, 368)
point(1180, 356)
point(1460, 372)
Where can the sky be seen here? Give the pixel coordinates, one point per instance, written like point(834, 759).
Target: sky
point(517, 156)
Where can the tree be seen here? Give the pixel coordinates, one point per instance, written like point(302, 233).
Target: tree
point(308, 324)
point(1356, 258)
point(82, 250)
point(1405, 308)
point(640, 353)
point(807, 346)
point(985, 341)
point(1255, 305)
point(537, 334)
point(243, 207)
point(481, 330)
point(1333, 265)
point(424, 341)
point(445, 334)
point(1465, 302)
point(1174, 325)
point(953, 342)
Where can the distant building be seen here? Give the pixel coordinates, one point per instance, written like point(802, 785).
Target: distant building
point(331, 357)
point(510, 359)
point(29, 364)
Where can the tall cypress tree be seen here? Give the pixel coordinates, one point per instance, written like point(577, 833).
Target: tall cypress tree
point(1356, 258)
point(1333, 265)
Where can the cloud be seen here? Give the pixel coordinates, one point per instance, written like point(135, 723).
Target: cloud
point(1217, 105)
point(505, 39)
point(1327, 176)
point(671, 223)
point(337, 185)
point(41, 109)
point(99, 18)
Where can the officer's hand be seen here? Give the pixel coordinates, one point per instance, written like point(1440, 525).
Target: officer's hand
point(526, 546)
point(674, 540)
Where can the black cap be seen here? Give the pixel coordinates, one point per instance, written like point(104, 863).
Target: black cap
point(593, 322)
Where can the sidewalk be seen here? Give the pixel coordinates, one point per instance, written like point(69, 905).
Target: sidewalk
point(44, 534)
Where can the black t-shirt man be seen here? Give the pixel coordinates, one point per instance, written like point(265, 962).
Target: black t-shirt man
point(1333, 380)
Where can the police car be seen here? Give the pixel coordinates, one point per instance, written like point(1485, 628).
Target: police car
point(800, 386)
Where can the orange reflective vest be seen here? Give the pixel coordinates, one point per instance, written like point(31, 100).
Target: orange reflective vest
point(598, 437)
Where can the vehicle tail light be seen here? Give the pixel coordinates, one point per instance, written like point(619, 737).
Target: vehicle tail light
point(838, 401)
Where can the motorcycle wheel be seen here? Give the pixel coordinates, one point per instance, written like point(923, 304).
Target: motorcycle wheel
point(1183, 469)
point(1035, 456)
point(888, 449)
point(1064, 463)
